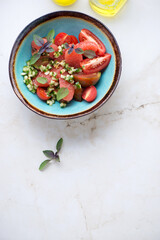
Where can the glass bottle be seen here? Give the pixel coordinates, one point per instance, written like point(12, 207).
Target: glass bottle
point(64, 2)
point(107, 7)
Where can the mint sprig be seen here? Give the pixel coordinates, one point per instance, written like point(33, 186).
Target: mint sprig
point(51, 155)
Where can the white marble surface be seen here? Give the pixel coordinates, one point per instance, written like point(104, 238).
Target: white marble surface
point(107, 185)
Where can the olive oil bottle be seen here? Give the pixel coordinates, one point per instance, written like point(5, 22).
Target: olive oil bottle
point(64, 2)
point(107, 7)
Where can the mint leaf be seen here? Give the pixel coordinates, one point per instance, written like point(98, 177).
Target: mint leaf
point(49, 154)
point(59, 144)
point(44, 164)
point(42, 80)
point(89, 53)
point(79, 50)
point(38, 40)
point(62, 92)
point(50, 36)
point(34, 58)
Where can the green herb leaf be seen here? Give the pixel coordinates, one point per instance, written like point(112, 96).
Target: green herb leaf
point(49, 154)
point(42, 80)
point(50, 36)
point(38, 40)
point(50, 49)
point(89, 53)
point(59, 145)
point(44, 164)
point(66, 45)
point(57, 158)
point(34, 58)
point(79, 50)
point(62, 92)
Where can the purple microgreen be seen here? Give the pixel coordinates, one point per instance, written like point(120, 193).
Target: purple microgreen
point(38, 40)
point(34, 58)
point(42, 80)
point(66, 45)
point(79, 50)
point(50, 36)
point(44, 164)
point(89, 53)
point(45, 46)
point(49, 154)
point(62, 92)
point(71, 49)
point(49, 49)
point(57, 158)
point(59, 145)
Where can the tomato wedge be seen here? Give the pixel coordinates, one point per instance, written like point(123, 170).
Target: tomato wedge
point(54, 46)
point(62, 38)
point(74, 39)
point(96, 64)
point(87, 80)
point(85, 34)
point(73, 59)
point(89, 94)
point(42, 94)
point(87, 45)
point(69, 86)
point(41, 74)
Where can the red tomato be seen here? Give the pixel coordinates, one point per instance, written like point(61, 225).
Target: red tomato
point(41, 74)
point(96, 64)
point(87, 45)
point(54, 46)
point(62, 38)
point(65, 84)
point(42, 94)
point(73, 59)
point(89, 94)
point(35, 46)
point(85, 34)
point(87, 80)
point(74, 39)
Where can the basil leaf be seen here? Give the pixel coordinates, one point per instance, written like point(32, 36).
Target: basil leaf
point(89, 53)
point(71, 49)
point(62, 92)
point(45, 46)
point(38, 40)
point(49, 154)
point(34, 58)
point(42, 80)
point(44, 164)
point(49, 49)
point(59, 144)
point(66, 45)
point(79, 50)
point(50, 36)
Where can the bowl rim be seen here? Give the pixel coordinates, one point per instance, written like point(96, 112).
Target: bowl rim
point(48, 17)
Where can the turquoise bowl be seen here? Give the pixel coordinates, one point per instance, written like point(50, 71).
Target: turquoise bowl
point(71, 23)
